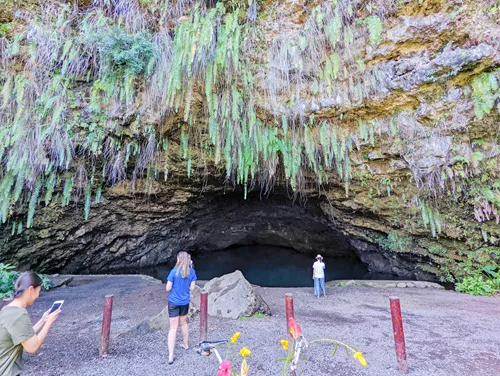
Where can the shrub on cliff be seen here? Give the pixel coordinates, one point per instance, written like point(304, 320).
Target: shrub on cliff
point(126, 54)
point(483, 282)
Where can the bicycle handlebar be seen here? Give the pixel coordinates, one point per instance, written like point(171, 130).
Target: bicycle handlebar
point(206, 347)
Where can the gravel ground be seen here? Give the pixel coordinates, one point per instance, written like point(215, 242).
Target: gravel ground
point(447, 333)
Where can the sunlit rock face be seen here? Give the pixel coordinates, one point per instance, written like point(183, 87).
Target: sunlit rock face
point(350, 128)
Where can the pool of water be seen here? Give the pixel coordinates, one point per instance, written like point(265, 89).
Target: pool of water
point(269, 266)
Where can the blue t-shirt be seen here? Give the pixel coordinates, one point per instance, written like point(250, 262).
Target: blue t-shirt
point(180, 294)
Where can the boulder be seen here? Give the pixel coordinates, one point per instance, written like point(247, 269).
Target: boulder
point(60, 282)
point(232, 296)
point(420, 285)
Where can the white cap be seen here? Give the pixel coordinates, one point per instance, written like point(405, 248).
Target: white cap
point(318, 256)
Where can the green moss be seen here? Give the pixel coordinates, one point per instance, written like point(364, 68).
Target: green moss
point(438, 250)
point(431, 269)
point(484, 93)
point(4, 29)
point(258, 315)
point(395, 242)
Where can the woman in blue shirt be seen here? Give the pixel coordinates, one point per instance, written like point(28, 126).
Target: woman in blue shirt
point(180, 283)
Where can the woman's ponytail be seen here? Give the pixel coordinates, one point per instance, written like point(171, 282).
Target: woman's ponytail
point(25, 281)
point(183, 264)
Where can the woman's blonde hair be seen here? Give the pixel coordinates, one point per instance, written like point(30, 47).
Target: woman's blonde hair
point(183, 264)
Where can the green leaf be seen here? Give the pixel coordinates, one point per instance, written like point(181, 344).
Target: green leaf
point(335, 349)
point(491, 270)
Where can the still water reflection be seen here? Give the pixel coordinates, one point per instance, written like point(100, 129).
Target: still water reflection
point(269, 266)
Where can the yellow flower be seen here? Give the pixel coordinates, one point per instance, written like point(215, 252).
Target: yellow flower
point(245, 352)
point(235, 337)
point(359, 356)
point(363, 362)
point(244, 367)
point(284, 343)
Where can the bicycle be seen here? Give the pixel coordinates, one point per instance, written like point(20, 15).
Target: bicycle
point(207, 347)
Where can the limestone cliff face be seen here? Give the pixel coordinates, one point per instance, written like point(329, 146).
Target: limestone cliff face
point(409, 89)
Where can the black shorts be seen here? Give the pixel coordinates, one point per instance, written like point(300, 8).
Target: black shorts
point(177, 310)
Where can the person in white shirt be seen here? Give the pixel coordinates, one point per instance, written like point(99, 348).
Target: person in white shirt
point(319, 276)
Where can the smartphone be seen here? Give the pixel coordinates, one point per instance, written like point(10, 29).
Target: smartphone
point(56, 305)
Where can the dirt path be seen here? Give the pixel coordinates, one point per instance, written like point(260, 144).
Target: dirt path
point(447, 334)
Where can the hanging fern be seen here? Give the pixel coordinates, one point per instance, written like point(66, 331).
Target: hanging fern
point(68, 187)
point(374, 25)
point(33, 203)
point(431, 217)
point(88, 200)
point(189, 165)
point(98, 195)
point(50, 184)
point(183, 149)
point(54, 129)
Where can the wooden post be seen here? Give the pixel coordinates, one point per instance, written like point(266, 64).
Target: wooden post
point(399, 334)
point(106, 325)
point(289, 310)
point(203, 316)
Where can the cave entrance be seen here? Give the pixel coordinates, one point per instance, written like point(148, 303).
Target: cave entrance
point(272, 241)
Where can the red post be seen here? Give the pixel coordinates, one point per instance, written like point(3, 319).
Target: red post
point(399, 334)
point(106, 325)
point(203, 316)
point(289, 310)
